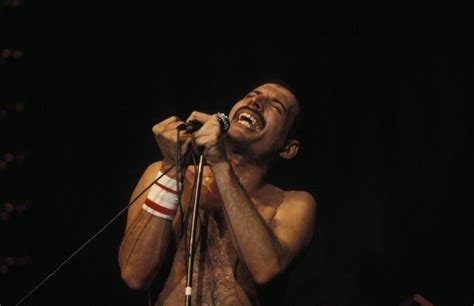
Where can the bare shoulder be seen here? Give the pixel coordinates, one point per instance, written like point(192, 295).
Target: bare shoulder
point(295, 219)
point(298, 204)
point(295, 199)
point(300, 196)
point(293, 205)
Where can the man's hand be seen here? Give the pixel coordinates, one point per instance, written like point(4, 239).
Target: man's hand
point(165, 134)
point(209, 138)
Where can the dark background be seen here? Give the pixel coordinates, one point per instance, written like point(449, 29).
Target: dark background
point(387, 101)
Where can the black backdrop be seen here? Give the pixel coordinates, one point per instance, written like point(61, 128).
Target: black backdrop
point(384, 145)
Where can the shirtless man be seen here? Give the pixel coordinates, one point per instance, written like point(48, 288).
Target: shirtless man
point(249, 231)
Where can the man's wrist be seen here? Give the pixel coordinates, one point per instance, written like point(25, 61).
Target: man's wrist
point(172, 172)
point(162, 199)
point(220, 167)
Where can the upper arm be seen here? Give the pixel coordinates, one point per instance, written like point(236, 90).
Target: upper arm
point(293, 224)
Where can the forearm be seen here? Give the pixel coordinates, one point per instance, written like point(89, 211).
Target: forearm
point(256, 244)
point(143, 249)
point(149, 221)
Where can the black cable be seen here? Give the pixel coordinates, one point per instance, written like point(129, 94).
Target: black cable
point(97, 234)
point(184, 216)
point(190, 201)
point(178, 190)
point(194, 183)
point(178, 180)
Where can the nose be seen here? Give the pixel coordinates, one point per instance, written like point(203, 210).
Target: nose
point(257, 102)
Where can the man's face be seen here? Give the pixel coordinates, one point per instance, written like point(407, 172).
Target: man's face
point(262, 118)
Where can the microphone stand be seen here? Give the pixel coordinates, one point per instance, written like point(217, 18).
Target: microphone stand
point(197, 192)
point(225, 125)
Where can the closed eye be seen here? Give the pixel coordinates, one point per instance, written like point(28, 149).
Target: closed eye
point(278, 105)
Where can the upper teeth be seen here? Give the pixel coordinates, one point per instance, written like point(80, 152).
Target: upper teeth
point(244, 116)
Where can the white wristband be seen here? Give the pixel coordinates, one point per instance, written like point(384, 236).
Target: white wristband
point(162, 199)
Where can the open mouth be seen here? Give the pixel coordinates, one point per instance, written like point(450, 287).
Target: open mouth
point(250, 119)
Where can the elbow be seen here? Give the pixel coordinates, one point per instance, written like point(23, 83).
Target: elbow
point(134, 281)
point(265, 275)
point(262, 279)
point(268, 270)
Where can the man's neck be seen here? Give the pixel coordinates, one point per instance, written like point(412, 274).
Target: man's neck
point(251, 173)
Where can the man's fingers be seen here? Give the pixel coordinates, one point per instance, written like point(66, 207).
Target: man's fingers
point(170, 123)
point(170, 120)
point(203, 141)
point(201, 117)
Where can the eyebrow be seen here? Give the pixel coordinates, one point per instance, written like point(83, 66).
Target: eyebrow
point(258, 92)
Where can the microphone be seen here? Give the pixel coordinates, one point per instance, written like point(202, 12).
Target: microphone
point(194, 125)
point(190, 126)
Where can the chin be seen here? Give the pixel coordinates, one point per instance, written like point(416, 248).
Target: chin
point(240, 135)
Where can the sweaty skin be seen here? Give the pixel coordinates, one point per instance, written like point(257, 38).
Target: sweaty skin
point(219, 277)
point(249, 231)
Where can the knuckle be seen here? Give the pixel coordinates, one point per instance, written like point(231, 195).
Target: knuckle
point(156, 129)
point(194, 114)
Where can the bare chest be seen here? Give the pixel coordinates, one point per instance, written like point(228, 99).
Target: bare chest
point(219, 276)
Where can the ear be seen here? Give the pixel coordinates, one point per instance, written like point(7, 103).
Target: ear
point(290, 149)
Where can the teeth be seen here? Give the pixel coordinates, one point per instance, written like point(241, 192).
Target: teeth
point(244, 119)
